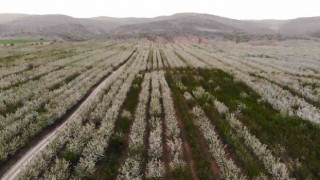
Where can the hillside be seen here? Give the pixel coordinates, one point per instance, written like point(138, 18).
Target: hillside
point(182, 24)
point(191, 24)
point(4, 18)
point(62, 26)
point(309, 26)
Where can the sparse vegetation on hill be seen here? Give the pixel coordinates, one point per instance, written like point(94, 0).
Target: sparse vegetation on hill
point(167, 27)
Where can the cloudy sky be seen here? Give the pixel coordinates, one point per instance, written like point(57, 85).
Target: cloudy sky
point(237, 9)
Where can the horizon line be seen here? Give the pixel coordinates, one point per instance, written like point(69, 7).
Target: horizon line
point(156, 16)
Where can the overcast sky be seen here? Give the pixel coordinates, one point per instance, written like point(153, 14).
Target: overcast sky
point(237, 9)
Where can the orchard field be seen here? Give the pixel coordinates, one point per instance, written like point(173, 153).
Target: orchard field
point(142, 110)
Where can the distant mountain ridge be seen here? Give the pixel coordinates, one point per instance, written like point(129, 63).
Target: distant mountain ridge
point(182, 24)
point(4, 18)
